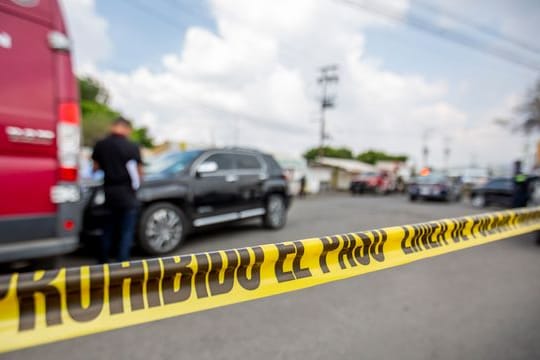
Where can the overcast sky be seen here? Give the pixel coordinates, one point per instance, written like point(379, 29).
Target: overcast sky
point(244, 72)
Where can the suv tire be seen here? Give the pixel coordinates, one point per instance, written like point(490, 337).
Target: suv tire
point(478, 201)
point(276, 212)
point(162, 228)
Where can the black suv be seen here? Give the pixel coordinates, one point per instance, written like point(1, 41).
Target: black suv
point(183, 191)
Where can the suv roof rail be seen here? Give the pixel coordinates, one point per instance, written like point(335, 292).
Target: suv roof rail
point(243, 148)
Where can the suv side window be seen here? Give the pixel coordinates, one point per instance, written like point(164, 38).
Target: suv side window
point(494, 184)
point(500, 184)
point(508, 184)
point(247, 162)
point(224, 161)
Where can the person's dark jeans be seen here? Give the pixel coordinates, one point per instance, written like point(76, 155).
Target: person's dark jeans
point(119, 229)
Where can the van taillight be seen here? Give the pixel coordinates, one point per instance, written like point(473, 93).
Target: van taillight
point(68, 174)
point(68, 140)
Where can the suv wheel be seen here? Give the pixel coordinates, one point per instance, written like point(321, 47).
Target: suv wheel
point(276, 212)
point(478, 201)
point(162, 228)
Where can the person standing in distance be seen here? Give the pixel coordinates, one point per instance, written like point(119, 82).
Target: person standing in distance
point(521, 187)
point(120, 161)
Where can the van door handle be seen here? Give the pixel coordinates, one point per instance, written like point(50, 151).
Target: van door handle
point(231, 178)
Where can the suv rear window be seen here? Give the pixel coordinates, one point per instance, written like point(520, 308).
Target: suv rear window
point(247, 162)
point(500, 184)
point(273, 167)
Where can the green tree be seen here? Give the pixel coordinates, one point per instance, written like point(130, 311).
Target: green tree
point(97, 115)
point(529, 110)
point(141, 137)
point(96, 119)
point(373, 156)
point(92, 90)
point(341, 153)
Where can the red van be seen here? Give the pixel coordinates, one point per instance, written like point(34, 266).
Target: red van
point(39, 133)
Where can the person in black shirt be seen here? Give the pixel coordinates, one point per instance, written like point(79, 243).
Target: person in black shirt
point(120, 160)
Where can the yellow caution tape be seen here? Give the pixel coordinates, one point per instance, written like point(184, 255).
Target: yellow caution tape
point(47, 306)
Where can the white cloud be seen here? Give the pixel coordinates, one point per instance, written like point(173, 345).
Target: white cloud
point(489, 142)
point(252, 82)
point(88, 31)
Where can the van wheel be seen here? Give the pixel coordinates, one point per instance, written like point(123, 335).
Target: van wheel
point(162, 228)
point(276, 212)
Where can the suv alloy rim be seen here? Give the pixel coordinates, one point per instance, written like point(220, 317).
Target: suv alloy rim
point(163, 230)
point(478, 201)
point(276, 210)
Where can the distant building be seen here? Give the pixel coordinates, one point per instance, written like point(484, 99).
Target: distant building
point(336, 174)
point(295, 168)
point(391, 167)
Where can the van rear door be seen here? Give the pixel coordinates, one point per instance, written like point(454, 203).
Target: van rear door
point(28, 158)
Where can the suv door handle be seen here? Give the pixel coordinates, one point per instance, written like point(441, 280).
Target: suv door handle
point(231, 178)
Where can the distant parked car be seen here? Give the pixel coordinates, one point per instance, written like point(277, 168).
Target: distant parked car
point(185, 191)
point(370, 182)
point(434, 186)
point(498, 191)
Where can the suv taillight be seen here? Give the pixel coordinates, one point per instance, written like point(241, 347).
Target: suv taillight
point(68, 140)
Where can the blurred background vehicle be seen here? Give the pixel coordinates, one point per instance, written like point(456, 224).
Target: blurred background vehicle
point(371, 182)
point(470, 178)
point(534, 188)
point(436, 186)
point(39, 134)
point(498, 191)
point(184, 191)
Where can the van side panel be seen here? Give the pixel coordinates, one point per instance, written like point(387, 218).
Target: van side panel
point(35, 10)
point(67, 88)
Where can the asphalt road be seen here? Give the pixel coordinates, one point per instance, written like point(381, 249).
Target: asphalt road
point(479, 303)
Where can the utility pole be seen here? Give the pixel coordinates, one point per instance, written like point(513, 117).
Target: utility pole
point(327, 76)
point(446, 152)
point(425, 149)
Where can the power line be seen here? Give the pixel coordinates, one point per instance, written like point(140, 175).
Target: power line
point(486, 30)
point(170, 21)
point(411, 20)
point(288, 51)
point(446, 34)
point(156, 14)
point(292, 52)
